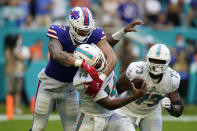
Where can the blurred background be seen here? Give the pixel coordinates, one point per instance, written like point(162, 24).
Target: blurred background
point(24, 47)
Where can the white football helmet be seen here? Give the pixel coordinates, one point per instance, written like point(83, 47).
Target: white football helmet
point(159, 52)
point(92, 55)
point(81, 19)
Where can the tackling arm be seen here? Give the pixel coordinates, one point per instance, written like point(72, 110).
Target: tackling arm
point(176, 104)
point(57, 53)
point(109, 55)
point(115, 38)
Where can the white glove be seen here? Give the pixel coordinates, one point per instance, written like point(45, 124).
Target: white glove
point(165, 102)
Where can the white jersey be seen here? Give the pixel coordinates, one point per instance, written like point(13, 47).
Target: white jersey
point(156, 90)
point(88, 104)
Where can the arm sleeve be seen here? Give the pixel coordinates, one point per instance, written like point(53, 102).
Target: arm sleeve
point(130, 72)
point(101, 94)
point(97, 35)
point(53, 32)
point(175, 81)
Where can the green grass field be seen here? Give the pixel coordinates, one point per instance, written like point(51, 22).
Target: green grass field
point(55, 125)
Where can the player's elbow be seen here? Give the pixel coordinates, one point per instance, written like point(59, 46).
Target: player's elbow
point(110, 108)
point(114, 59)
point(177, 114)
point(56, 56)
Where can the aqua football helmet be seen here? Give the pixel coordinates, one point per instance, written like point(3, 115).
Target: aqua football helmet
point(92, 55)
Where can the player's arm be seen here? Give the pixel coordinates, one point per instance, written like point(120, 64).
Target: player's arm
point(122, 83)
point(112, 104)
point(116, 37)
point(57, 53)
point(176, 107)
point(109, 55)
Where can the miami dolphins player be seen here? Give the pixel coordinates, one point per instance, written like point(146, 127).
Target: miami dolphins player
point(163, 83)
point(95, 110)
point(55, 81)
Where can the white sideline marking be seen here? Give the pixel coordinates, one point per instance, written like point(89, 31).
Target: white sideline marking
point(56, 118)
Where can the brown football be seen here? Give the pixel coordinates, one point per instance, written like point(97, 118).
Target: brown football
point(137, 82)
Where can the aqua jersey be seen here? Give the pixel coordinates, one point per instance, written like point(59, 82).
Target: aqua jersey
point(66, 73)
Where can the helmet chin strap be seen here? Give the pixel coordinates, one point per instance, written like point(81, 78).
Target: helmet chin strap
point(153, 76)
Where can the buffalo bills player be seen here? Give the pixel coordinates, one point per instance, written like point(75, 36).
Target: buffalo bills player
point(55, 81)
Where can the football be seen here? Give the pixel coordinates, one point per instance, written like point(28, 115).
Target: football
point(137, 82)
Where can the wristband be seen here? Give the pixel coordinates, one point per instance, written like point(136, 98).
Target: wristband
point(102, 76)
point(77, 63)
point(118, 35)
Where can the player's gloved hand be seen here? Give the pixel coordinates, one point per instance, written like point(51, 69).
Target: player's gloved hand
point(165, 102)
point(93, 88)
point(88, 68)
point(96, 84)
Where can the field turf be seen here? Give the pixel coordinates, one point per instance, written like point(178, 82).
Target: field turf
point(55, 125)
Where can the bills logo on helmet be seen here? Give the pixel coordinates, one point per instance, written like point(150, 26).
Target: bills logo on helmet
point(74, 15)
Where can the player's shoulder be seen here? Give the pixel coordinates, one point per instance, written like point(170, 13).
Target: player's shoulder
point(58, 28)
point(136, 69)
point(98, 31)
point(57, 31)
point(174, 77)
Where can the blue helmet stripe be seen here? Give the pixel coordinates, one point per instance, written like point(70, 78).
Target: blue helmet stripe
point(85, 53)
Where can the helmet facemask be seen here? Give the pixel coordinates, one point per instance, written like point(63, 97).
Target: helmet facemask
point(80, 35)
point(101, 64)
point(157, 67)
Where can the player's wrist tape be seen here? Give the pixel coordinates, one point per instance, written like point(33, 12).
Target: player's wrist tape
point(78, 63)
point(118, 35)
point(102, 76)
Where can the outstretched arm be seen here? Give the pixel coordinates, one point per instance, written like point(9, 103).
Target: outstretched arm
point(109, 55)
point(112, 104)
point(116, 37)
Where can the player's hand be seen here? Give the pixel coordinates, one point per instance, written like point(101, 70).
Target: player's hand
point(137, 93)
point(130, 27)
point(93, 88)
point(90, 69)
point(165, 102)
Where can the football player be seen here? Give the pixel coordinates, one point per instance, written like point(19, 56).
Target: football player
point(55, 81)
point(95, 110)
point(163, 83)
